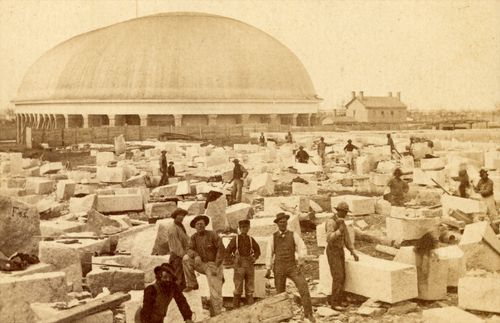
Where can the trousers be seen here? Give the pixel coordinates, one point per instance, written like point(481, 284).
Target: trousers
point(336, 261)
point(237, 191)
point(284, 271)
point(244, 274)
point(176, 263)
point(164, 179)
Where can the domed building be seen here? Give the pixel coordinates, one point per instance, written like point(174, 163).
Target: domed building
point(167, 69)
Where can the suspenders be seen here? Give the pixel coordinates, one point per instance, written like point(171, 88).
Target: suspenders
point(251, 247)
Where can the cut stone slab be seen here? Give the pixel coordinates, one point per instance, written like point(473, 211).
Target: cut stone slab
point(104, 157)
point(120, 145)
point(39, 185)
point(82, 204)
point(305, 189)
point(193, 207)
point(160, 210)
point(19, 224)
point(96, 221)
point(465, 205)
point(386, 167)
point(18, 292)
point(383, 207)
point(111, 174)
point(456, 263)
point(51, 168)
point(262, 184)
point(358, 205)
point(149, 242)
point(126, 239)
point(228, 286)
point(433, 163)
point(119, 203)
point(115, 279)
point(32, 269)
point(479, 293)
point(216, 211)
point(390, 282)
point(237, 212)
point(58, 227)
point(13, 182)
point(183, 188)
point(65, 189)
point(147, 264)
point(166, 190)
point(445, 314)
point(379, 179)
point(307, 168)
point(299, 203)
point(421, 177)
point(481, 246)
point(401, 229)
point(315, 206)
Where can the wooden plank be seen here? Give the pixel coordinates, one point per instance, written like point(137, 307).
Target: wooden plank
point(92, 307)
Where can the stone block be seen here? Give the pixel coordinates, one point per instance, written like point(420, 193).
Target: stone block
point(228, 286)
point(134, 181)
point(18, 292)
point(160, 210)
point(51, 168)
point(58, 227)
point(379, 179)
point(183, 188)
point(216, 210)
point(126, 238)
point(406, 228)
point(237, 212)
point(39, 185)
point(19, 224)
point(479, 293)
point(120, 145)
point(445, 314)
point(82, 204)
point(427, 195)
point(364, 165)
point(30, 270)
point(166, 190)
point(382, 207)
point(299, 203)
point(305, 189)
point(111, 174)
point(104, 157)
point(150, 242)
point(465, 205)
point(358, 205)
point(147, 264)
point(456, 263)
point(432, 163)
point(115, 279)
point(65, 189)
point(321, 233)
point(390, 282)
point(262, 184)
point(119, 203)
point(193, 207)
point(481, 247)
point(307, 168)
point(101, 317)
point(265, 227)
point(13, 182)
point(96, 221)
point(33, 171)
point(386, 167)
point(421, 177)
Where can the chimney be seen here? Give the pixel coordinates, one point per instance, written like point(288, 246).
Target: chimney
point(353, 94)
point(390, 94)
point(361, 95)
point(399, 95)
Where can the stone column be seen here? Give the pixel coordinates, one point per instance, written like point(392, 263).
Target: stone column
point(245, 118)
point(112, 120)
point(295, 116)
point(18, 128)
point(85, 121)
point(177, 120)
point(212, 119)
point(274, 119)
point(144, 120)
point(309, 116)
point(66, 121)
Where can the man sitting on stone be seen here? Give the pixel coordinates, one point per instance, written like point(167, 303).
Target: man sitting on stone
point(398, 188)
point(302, 156)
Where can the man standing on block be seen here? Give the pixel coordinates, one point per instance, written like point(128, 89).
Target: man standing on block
point(163, 168)
point(485, 188)
point(337, 237)
point(171, 169)
point(178, 242)
point(302, 156)
point(349, 155)
point(205, 255)
point(398, 188)
point(239, 175)
point(322, 149)
point(262, 139)
point(245, 250)
point(158, 295)
point(284, 246)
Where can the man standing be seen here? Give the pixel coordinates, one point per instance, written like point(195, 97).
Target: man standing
point(283, 246)
point(239, 175)
point(398, 188)
point(158, 295)
point(288, 138)
point(245, 250)
point(349, 153)
point(337, 237)
point(322, 149)
point(390, 142)
point(205, 255)
point(302, 156)
point(171, 169)
point(178, 242)
point(262, 139)
point(163, 168)
point(485, 188)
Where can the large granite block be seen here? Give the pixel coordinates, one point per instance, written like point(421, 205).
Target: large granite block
point(311, 188)
point(111, 174)
point(465, 205)
point(456, 263)
point(119, 203)
point(237, 212)
point(216, 211)
point(481, 246)
point(65, 189)
point(51, 168)
point(432, 163)
point(272, 204)
point(82, 204)
point(447, 314)
point(104, 157)
point(479, 293)
point(115, 279)
point(401, 229)
point(160, 210)
point(358, 205)
point(262, 184)
point(39, 185)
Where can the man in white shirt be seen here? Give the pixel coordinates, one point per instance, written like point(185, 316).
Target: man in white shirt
point(288, 251)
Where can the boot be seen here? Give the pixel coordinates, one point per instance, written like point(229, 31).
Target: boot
point(236, 301)
point(249, 298)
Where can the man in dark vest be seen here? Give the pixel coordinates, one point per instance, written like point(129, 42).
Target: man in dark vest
point(282, 246)
point(262, 139)
point(302, 156)
point(158, 295)
point(239, 175)
point(171, 169)
point(163, 168)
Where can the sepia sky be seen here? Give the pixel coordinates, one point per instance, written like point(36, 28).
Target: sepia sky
point(439, 54)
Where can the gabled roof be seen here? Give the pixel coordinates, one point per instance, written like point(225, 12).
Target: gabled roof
point(373, 102)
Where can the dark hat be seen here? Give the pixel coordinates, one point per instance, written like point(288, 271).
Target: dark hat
point(236, 161)
point(398, 172)
point(171, 162)
point(280, 216)
point(163, 151)
point(342, 206)
point(177, 212)
point(243, 222)
point(301, 147)
point(198, 218)
point(322, 138)
point(349, 140)
point(483, 171)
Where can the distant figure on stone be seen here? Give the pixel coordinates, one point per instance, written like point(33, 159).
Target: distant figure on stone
point(178, 242)
point(349, 154)
point(239, 175)
point(398, 189)
point(205, 255)
point(158, 295)
point(262, 139)
point(465, 183)
point(485, 188)
point(245, 250)
point(288, 138)
point(282, 248)
point(322, 149)
point(302, 156)
point(394, 152)
point(337, 238)
point(171, 169)
point(163, 168)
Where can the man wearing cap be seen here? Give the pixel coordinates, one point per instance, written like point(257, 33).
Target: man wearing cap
point(398, 188)
point(322, 149)
point(485, 188)
point(158, 296)
point(239, 175)
point(349, 155)
point(245, 250)
point(163, 168)
point(288, 251)
point(302, 156)
point(288, 138)
point(337, 237)
point(205, 255)
point(262, 139)
point(171, 169)
point(178, 242)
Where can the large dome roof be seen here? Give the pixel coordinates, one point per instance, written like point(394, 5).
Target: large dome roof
point(169, 57)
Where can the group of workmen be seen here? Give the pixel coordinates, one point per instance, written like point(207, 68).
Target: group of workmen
point(204, 253)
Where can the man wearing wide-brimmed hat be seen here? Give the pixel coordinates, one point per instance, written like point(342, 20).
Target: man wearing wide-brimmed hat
point(284, 246)
point(302, 156)
point(205, 255)
point(485, 188)
point(337, 237)
point(398, 188)
point(178, 242)
point(163, 168)
point(239, 175)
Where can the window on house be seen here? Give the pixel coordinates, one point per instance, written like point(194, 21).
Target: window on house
point(392, 113)
point(382, 112)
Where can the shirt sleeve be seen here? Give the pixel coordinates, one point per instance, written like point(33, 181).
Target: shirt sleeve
point(300, 246)
point(270, 252)
point(148, 304)
point(231, 247)
point(487, 189)
point(174, 241)
point(256, 249)
point(347, 240)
